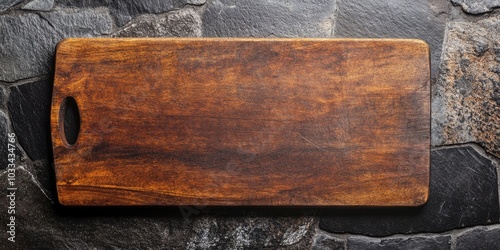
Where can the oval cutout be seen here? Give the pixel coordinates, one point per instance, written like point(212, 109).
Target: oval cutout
point(69, 121)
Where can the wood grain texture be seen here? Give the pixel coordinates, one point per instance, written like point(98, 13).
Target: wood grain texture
point(206, 121)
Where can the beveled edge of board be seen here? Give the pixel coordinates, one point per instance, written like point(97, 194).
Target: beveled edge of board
point(68, 41)
point(56, 132)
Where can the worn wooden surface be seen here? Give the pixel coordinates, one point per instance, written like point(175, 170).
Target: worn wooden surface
point(314, 122)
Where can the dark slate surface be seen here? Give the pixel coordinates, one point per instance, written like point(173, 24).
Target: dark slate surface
point(480, 238)
point(414, 243)
point(268, 18)
point(463, 193)
point(29, 107)
point(124, 11)
point(19, 58)
point(420, 19)
point(28, 40)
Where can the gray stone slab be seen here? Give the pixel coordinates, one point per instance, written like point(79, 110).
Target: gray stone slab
point(268, 18)
point(466, 95)
point(80, 23)
point(28, 41)
point(29, 108)
point(26, 45)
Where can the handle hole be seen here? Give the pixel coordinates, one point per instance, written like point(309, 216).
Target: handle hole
point(69, 121)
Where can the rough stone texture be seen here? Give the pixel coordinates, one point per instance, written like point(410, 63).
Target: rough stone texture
point(29, 108)
point(479, 238)
point(182, 23)
point(463, 193)
point(42, 5)
point(44, 225)
point(419, 19)
point(3, 97)
point(414, 243)
point(28, 41)
point(477, 6)
point(466, 97)
point(124, 11)
point(4, 129)
point(5, 4)
point(324, 241)
point(225, 18)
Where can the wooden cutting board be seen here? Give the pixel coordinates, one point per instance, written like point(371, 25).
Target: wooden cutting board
point(206, 121)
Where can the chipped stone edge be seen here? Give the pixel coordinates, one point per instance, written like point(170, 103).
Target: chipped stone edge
point(484, 10)
point(334, 16)
point(31, 6)
point(476, 146)
point(340, 237)
point(454, 234)
point(198, 9)
point(22, 81)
